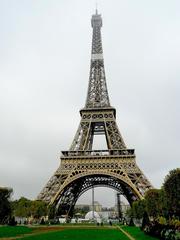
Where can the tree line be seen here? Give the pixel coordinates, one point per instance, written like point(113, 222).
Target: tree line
point(160, 208)
point(22, 208)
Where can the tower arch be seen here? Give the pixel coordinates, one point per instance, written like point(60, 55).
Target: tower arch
point(67, 197)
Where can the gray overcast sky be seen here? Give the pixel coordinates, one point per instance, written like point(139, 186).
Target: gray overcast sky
point(44, 68)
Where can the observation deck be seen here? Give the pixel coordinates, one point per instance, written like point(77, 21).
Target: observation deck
point(122, 153)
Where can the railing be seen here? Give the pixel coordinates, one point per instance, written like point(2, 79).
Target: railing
point(114, 152)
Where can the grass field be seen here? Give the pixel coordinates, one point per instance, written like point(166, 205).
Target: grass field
point(137, 233)
point(78, 234)
point(6, 231)
point(68, 233)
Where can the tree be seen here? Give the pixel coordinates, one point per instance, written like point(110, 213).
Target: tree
point(28, 208)
point(51, 211)
point(131, 222)
point(153, 202)
point(163, 211)
point(145, 220)
point(5, 206)
point(171, 188)
point(138, 209)
point(22, 207)
point(129, 212)
point(38, 209)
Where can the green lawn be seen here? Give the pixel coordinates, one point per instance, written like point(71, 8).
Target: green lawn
point(137, 233)
point(80, 234)
point(6, 231)
point(72, 233)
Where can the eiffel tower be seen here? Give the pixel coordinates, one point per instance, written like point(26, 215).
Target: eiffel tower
point(82, 168)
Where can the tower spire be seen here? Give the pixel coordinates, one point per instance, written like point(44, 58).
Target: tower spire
point(96, 8)
point(97, 96)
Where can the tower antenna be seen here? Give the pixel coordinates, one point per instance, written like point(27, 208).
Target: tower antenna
point(96, 8)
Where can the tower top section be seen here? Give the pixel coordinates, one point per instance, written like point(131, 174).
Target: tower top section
point(97, 96)
point(96, 20)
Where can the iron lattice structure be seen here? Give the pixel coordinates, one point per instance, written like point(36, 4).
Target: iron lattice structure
point(81, 168)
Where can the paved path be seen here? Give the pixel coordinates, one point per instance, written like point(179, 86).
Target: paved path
point(126, 233)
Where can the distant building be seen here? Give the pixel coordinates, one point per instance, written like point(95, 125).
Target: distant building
point(97, 207)
point(83, 208)
point(124, 208)
point(105, 215)
point(87, 207)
